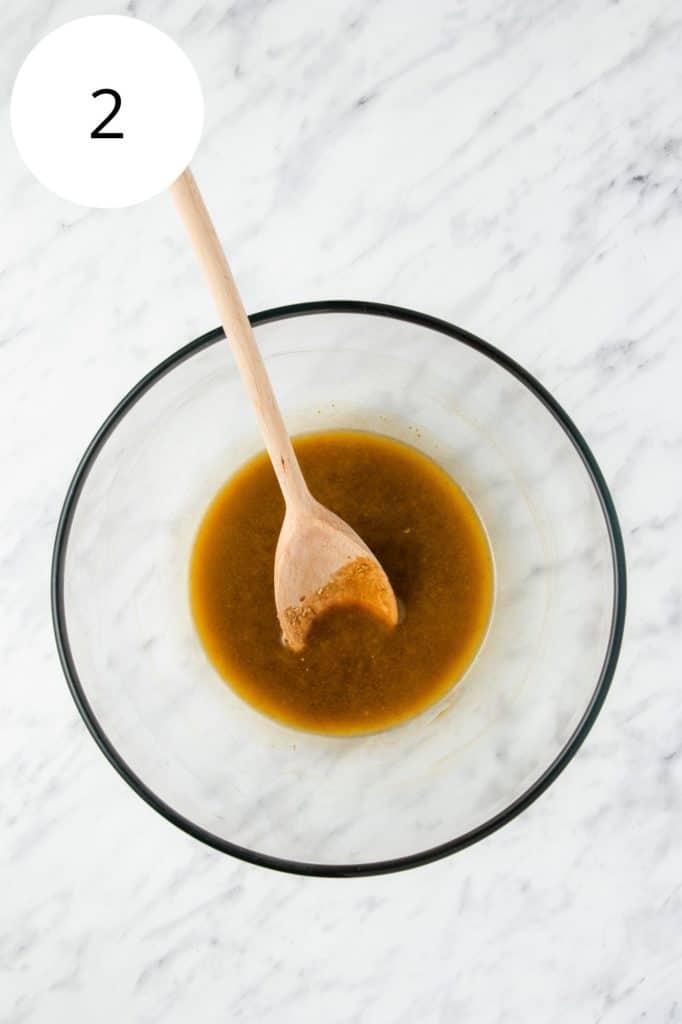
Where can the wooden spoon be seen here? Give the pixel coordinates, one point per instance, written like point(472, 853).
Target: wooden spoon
point(320, 561)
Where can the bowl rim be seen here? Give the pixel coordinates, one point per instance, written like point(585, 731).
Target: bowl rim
point(565, 755)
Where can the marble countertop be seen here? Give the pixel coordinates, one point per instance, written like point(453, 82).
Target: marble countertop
point(512, 167)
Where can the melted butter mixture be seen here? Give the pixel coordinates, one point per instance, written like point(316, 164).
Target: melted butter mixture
point(355, 674)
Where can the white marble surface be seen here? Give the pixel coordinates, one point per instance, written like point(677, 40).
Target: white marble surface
point(515, 168)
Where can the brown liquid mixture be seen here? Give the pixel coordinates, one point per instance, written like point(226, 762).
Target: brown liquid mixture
point(355, 674)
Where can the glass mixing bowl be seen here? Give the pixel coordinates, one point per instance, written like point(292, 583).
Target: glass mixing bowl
point(307, 803)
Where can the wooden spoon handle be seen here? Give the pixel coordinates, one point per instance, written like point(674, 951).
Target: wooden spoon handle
point(239, 333)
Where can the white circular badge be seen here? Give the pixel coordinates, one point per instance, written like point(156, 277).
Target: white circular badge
point(107, 111)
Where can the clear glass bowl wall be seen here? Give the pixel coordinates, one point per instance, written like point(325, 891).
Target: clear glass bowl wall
point(215, 766)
